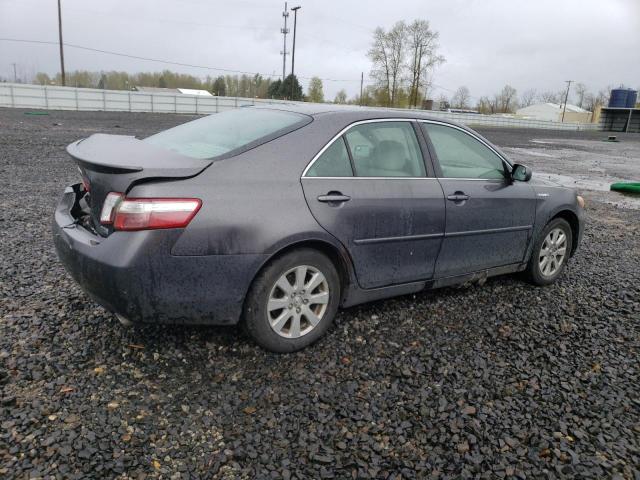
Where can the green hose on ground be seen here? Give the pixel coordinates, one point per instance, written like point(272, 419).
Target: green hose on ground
point(626, 187)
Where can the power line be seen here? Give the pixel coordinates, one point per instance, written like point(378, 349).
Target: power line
point(168, 62)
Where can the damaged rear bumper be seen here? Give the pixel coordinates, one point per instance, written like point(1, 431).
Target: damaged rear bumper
point(134, 274)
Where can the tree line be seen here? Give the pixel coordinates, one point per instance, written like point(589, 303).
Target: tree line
point(223, 85)
point(507, 99)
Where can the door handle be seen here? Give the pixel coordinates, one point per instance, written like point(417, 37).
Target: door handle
point(458, 197)
point(334, 197)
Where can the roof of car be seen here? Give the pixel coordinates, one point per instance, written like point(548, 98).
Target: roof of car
point(342, 115)
point(347, 111)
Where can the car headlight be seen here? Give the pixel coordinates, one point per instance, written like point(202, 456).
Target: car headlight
point(580, 201)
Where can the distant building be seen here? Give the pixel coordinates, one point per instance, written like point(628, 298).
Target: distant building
point(553, 112)
point(155, 90)
point(190, 91)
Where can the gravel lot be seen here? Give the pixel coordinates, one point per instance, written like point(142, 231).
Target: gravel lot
point(504, 380)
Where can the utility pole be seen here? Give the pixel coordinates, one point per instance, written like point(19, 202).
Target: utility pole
point(566, 98)
point(361, 84)
point(293, 51)
point(61, 48)
point(284, 32)
point(15, 76)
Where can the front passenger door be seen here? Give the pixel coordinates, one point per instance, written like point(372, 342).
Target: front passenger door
point(489, 217)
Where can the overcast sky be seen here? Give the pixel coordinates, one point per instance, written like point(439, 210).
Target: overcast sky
point(487, 43)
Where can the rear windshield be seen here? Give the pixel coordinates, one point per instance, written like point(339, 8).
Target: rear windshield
point(221, 133)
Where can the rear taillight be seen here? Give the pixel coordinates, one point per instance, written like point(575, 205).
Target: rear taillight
point(154, 213)
point(109, 207)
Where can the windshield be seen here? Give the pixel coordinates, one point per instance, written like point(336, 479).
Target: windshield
point(220, 133)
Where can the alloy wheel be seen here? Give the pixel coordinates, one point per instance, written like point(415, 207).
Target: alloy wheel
point(553, 252)
point(298, 301)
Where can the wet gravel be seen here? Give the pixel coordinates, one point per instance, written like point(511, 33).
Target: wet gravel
point(503, 380)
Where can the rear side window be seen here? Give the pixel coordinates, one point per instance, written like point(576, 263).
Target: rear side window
point(462, 156)
point(221, 133)
point(334, 162)
point(385, 149)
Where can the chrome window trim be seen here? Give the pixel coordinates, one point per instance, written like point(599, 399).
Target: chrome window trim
point(345, 130)
point(498, 180)
point(498, 154)
point(408, 178)
point(371, 178)
point(410, 120)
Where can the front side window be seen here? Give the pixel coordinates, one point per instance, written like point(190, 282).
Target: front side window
point(220, 133)
point(334, 162)
point(462, 156)
point(385, 149)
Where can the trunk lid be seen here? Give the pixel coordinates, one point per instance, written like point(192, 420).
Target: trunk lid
point(114, 163)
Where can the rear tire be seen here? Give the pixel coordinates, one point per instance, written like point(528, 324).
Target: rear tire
point(550, 253)
point(293, 301)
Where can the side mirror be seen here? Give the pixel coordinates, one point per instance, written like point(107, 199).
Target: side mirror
point(521, 173)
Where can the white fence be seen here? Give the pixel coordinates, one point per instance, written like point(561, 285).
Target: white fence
point(20, 95)
point(89, 99)
point(475, 119)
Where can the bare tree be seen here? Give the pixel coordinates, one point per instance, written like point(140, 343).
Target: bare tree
point(397, 38)
point(443, 102)
point(387, 54)
point(528, 97)
point(551, 97)
point(461, 98)
point(593, 101)
point(380, 57)
point(423, 58)
point(506, 101)
point(484, 105)
point(341, 97)
point(581, 92)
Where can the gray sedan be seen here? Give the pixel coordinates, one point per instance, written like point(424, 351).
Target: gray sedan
point(275, 217)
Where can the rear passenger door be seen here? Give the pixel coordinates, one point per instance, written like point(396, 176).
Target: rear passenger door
point(371, 189)
point(489, 217)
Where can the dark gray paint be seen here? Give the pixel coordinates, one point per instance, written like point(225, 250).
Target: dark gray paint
point(490, 229)
point(392, 228)
point(387, 236)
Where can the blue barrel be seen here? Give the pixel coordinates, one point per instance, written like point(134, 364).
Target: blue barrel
point(632, 98)
point(618, 98)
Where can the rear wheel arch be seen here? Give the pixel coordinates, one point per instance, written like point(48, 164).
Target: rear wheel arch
point(572, 219)
point(340, 259)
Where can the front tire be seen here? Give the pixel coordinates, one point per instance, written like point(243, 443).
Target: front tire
point(550, 253)
point(292, 301)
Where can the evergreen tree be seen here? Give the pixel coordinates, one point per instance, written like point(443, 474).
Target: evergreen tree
point(219, 87)
point(274, 89)
point(291, 89)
